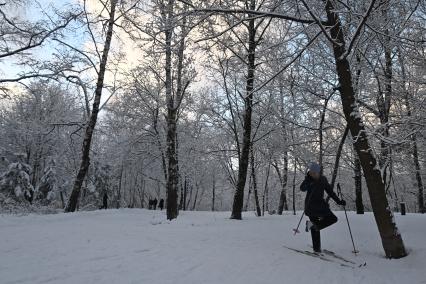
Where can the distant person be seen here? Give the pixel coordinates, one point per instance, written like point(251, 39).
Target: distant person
point(316, 208)
point(150, 204)
point(161, 204)
point(154, 203)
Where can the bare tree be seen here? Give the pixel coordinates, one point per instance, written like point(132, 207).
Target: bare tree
point(90, 127)
point(391, 238)
point(19, 36)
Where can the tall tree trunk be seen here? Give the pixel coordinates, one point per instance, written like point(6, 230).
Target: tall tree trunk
point(294, 185)
point(190, 197)
point(338, 155)
point(85, 158)
point(420, 193)
point(195, 198)
point(143, 194)
point(391, 238)
point(320, 133)
point(415, 153)
point(185, 193)
point(247, 204)
point(213, 191)
point(253, 178)
point(62, 199)
point(181, 197)
point(384, 101)
point(283, 205)
point(358, 185)
point(174, 100)
point(243, 162)
point(120, 181)
point(337, 160)
point(159, 144)
point(359, 204)
point(172, 181)
point(266, 190)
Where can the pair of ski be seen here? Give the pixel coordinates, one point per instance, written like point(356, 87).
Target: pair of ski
point(330, 256)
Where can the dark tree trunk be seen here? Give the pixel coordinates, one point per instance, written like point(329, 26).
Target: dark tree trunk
point(213, 192)
point(253, 178)
point(159, 144)
point(120, 181)
point(243, 162)
point(85, 158)
point(142, 195)
point(62, 199)
point(391, 238)
point(358, 185)
point(283, 205)
point(320, 134)
point(420, 194)
point(415, 154)
point(195, 199)
point(338, 155)
point(337, 160)
point(246, 207)
point(172, 181)
point(174, 100)
point(185, 193)
point(190, 197)
point(266, 190)
point(383, 99)
point(294, 185)
point(181, 197)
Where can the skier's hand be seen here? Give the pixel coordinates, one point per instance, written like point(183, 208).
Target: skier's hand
point(341, 202)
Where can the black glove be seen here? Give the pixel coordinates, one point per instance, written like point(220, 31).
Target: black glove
point(341, 202)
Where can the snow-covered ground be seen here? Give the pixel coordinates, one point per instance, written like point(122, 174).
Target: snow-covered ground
point(139, 246)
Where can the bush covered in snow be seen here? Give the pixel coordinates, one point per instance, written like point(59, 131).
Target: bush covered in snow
point(15, 182)
point(47, 188)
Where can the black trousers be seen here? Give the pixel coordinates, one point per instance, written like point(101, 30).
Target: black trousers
point(319, 224)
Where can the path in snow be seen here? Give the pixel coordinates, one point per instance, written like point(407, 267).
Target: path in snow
point(139, 246)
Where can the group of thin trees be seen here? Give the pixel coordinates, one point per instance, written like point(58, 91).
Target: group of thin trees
point(219, 104)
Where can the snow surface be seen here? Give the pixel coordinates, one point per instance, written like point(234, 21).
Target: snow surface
point(139, 246)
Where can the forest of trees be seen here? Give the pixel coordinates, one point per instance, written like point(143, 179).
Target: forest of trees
point(213, 105)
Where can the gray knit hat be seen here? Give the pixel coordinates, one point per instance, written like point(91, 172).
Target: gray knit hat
point(314, 167)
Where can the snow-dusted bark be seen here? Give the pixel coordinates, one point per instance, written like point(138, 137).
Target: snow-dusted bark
point(254, 183)
point(415, 152)
point(283, 178)
point(358, 185)
point(390, 235)
point(174, 99)
point(243, 162)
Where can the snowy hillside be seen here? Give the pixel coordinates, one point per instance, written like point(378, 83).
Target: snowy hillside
point(139, 246)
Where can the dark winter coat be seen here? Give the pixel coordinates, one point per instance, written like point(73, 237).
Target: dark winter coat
point(315, 205)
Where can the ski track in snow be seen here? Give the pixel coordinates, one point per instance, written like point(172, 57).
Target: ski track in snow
point(141, 246)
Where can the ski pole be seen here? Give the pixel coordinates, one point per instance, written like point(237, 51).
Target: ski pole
point(300, 221)
point(355, 251)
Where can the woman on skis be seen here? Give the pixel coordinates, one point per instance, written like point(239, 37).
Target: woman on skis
point(316, 208)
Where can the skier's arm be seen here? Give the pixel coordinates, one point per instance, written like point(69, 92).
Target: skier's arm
point(330, 191)
point(305, 184)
